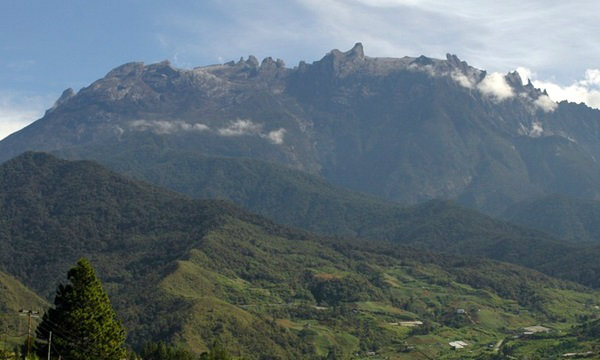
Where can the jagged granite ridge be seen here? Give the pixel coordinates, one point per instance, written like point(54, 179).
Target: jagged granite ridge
point(407, 129)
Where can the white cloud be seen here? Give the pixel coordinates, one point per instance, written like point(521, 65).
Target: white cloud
point(428, 69)
point(19, 110)
point(164, 127)
point(525, 74)
point(276, 136)
point(536, 129)
point(586, 90)
point(545, 103)
point(592, 77)
point(239, 128)
point(495, 86)
point(462, 79)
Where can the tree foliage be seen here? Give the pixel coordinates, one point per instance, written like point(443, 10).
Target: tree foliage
point(83, 322)
point(161, 351)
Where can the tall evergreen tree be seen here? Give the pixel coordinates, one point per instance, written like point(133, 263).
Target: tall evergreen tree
point(83, 322)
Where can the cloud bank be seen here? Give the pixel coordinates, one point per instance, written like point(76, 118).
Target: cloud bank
point(276, 136)
point(495, 86)
point(545, 103)
point(586, 90)
point(239, 127)
point(164, 127)
point(247, 127)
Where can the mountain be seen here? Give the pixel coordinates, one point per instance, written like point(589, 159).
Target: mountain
point(301, 200)
point(305, 201)
point(565, 217)
point(285, 195)
point(405, 129)
point(189, 271)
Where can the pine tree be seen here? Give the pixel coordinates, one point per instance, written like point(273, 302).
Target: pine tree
point(83, 322)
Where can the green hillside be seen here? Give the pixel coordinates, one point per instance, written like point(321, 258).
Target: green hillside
point(569, 218)
point(305, 201)
point(288, 196)
point(190, 271)
point(14, 296)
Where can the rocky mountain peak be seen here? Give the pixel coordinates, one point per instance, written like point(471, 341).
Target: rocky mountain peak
point(423, 61)
point(269, 63)
point(163, 67)
point(131, 69)
point(514, 79)
point(66, 95)
point(357, 51)
point(342, 63)
point(342, 110)
point(252, 61)
point(456, 63)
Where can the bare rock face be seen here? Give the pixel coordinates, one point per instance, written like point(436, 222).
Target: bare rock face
point(64, 97)
point(407, 129)
point(343, 63)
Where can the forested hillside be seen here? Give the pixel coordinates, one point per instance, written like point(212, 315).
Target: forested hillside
point(305, 201)
point(569, 218)
point(191, 271)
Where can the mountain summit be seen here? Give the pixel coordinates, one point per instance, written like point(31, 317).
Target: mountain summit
point(406, 129)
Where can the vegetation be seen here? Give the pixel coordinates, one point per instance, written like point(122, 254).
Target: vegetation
point(190, 272)
point(204, 279)
point(162, 351)
point(14, 296)
point(82, 320)
point(295, 198)
point(569, 218)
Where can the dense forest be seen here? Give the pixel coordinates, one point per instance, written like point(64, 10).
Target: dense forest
point(195, 273)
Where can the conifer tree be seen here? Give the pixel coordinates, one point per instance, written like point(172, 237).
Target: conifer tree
point(83, 322)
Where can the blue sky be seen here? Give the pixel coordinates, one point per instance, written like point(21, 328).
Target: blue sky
point(48, 46)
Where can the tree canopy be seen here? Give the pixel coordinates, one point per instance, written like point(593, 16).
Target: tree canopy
point(83, 322)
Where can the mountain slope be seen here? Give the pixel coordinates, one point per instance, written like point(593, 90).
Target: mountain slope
point(288, 196)
point(407, 129)
point(15, 296)
point(566, 217)
point(189, 271)
point(295, 198)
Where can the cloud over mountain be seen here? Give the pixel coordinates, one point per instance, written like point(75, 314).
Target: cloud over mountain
point(585, 91)
point(166, 127)
point(495, 86)
point(239, 127)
